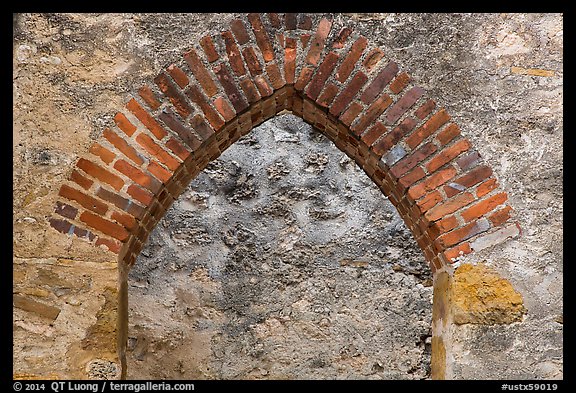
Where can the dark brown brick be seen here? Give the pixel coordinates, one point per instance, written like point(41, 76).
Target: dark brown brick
point(211, 115)
point(413, 159)
point(234, 57)
point(379, 83)
point(274, 75)
point(322, 74)
point(372, 113)
point(290, 60)
point(60, 225)
point(201, 128)
point(250, 90)
point(66, 210)
point(305, 22)
point(305, 38)
point(227, 81)
point(328, 95)
point(146, 119)
point(350, 114)
point(262, 39)
point(149, 97)
point(209, 49)
point(468, 160)
point(318, 42)
point(372, 59)
point(375, 132)
point(403, 104)
point(177, 148)
point(291, 21)
point(84, 200)
point(81, 180)
point(348, 93)
point(351, 59)
point(239, 31)
point(341, 38)
point(200, 72)
point(121, 202)
point(274, 20)
point(252, 61)
point(390, 140)
point(175, 124)
point(425, 109)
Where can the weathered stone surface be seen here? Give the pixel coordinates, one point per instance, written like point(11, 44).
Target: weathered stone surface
point(480, 295)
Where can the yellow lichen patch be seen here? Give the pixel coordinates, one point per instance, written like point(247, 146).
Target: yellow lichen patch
point(480, 296)
point(21, 376)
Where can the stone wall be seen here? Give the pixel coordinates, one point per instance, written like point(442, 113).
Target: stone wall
point(499, 75)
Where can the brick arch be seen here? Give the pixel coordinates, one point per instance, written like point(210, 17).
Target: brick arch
point(262, 65)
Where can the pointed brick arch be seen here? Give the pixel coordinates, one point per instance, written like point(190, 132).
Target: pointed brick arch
point(262, 65)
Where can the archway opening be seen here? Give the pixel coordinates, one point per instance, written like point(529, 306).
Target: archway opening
point(280, 263)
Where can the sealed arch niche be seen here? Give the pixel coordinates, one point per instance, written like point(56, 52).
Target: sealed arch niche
point(335, 80)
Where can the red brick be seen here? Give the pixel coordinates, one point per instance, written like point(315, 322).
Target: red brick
point(351, 59)
point(250, 90)
point(348, 93)
point(141, 195)
point(425, 109)
point(486, 187)
point(304, 38)
point(431, 182)
point(305, 22)
point(379, 83)
point(149, 97)
point(224, 108)
point(209, 49)
point(372, 113)
point(252, 61)
point(304, 78)
point(124, 124)
point(328, 95)
point(429, 201)
point(81, 180)
point(455, 252)
point(230, 88)
point(175, 124)
point(390, 140)
point(123, 146)
point(468, 160)
point(60, 225)
point(444, 225)
point(471, 178)
point(262, 39)
point(157, 151)
point(173, 94)
point(290, 60)
point(263, 86)
point(403, 104)
point(84, 200)
point(318, 42)
point(239, 31)
point(234, 57)
point(428, 128)
point(458, 235)
point(275, 76)
point(291, 21)
point(200, 72)
point(274, 20)
point(447, 155)
point(280, 39)
point(137, 175)
point(449, 206)
point(126, 220)
point(112, 245)
point(211, 115)
point(481, 208)
point(105, 226)
point(399, 83)
point(412, 177)
point(178, 75)
point(447, 134)
point(500, 216)
point(350, 114)
point(341, 38)
point(322, 74)
point(201, 128)
point(375, 132)
point(65, 210)
point(372, 59)
point(160, 173)
point(412, 159)
point(105, 155)
point(100, 173)
point(178, 150)
point(146, 119)
point(120, 202)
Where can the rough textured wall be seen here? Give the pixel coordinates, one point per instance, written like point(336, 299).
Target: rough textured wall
point(500, 76)
point(283, 263)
